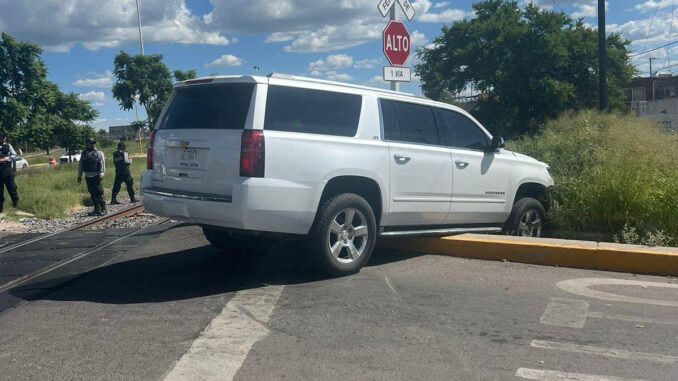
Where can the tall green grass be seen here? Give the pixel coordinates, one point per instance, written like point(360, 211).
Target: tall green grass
point(53, 192)
point(615, 175)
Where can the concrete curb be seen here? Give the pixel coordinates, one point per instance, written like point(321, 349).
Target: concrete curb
point(544, 251)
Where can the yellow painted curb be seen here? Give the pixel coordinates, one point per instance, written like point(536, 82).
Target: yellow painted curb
point(550, 252)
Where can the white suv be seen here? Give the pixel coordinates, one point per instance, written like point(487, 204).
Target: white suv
point(248, 156)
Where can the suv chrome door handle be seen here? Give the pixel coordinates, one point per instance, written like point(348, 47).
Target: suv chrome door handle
point(461, 164)
point(401, 159)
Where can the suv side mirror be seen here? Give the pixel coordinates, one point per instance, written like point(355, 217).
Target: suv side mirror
point(497, 142)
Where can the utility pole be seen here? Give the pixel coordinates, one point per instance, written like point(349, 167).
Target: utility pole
point(651, 59)
point(602, 56)
point(141, 38)
point(395, 86)
point(141, 42)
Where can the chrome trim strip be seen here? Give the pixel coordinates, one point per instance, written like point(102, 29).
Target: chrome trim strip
point(197, 197)
point(442, 231)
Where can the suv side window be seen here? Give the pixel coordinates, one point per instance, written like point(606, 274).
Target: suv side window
point(390, 120)
point(309, 111)
point(416, 123)
point(460, 131)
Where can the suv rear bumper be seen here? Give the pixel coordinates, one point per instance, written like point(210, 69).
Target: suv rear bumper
point(256, 204)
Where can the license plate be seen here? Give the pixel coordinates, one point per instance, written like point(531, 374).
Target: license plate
point(189, 158)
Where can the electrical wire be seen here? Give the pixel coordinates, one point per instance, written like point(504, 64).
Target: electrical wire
point(649, 28)
point(653, 49)
point(668, 51)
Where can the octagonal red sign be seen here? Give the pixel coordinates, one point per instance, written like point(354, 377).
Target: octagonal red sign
point(396, 41)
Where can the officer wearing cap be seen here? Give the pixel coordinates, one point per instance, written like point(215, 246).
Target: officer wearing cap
point(93, 165)
point(7, 169)
point(122, 174)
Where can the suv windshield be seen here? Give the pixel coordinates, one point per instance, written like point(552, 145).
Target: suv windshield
point(218, 106)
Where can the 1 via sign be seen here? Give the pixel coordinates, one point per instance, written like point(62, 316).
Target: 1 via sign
point(396, 43)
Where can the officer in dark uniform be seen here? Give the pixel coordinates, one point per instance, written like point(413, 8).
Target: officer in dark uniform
point(122, 174)
point(7, 169)
point(93, 165)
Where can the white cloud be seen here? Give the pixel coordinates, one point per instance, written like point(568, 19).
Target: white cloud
point(333, 37)
point(58, 25)
point(651, 5)
point(226, 60)
point(334, 76)
point(441, 4)
point(331, 62)
point(93, 96)
point(104, 80)
point(366, 64)
point(449, 15)
point(282, 36)
point(585, 10)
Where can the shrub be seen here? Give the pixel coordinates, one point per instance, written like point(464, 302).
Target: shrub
point(613, 173)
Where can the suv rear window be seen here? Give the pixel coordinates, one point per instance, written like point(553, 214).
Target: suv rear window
point(312, 111)
point(218, 106)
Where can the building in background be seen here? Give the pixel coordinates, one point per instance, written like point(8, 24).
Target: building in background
point(655, 98)
point(126, 132)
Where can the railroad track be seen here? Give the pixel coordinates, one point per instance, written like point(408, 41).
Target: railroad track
point(131, 211)
point(76, 255)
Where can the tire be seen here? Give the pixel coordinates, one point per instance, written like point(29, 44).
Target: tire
point(24, 166)
point(234, 243)
point(527, 218)
point(335, 244)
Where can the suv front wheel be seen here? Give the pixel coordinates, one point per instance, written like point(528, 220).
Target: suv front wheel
point(343, 237)
point(527, 218)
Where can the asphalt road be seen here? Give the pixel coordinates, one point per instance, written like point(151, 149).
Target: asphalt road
point(163, 304)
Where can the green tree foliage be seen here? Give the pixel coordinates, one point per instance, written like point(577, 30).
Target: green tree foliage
point(184, 75)
point(528, 65)
point(144, 79)
point(33, 110)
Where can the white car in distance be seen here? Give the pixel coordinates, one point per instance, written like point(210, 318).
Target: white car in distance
point(250, 157)
point(70, 157)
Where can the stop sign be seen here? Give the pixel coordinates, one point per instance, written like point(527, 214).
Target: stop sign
point(396, 43)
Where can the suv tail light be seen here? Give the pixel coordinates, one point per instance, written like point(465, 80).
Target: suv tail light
point(149, 153)
point(252, 153)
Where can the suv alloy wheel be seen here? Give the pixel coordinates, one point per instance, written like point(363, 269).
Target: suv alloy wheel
point(527, 218)
point(343, 237)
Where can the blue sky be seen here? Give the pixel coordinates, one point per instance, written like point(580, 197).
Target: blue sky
point(329, 39)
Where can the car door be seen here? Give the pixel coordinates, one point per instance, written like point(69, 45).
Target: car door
point(479, 178)
point(419, 167)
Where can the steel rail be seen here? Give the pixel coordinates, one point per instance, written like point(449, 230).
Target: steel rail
point(134, 210)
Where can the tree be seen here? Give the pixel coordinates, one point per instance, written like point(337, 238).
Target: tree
point(33, 111)
point(528, 65)
point(184, 75)
point(144, 79)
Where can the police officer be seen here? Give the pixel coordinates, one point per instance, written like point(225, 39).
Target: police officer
point(122, 174)
point(7, 168)
point(93, 165)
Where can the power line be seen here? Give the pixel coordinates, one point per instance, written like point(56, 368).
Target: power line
point(649, 28)
point(666, 67)
point(653, 49)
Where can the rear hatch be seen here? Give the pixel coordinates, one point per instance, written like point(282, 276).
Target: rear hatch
point(197, 146)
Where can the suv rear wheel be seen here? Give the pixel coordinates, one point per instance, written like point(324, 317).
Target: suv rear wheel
point(343, 237)
point(527, 218)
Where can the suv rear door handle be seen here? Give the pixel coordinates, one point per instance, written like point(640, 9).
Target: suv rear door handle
point(461, 164)
point(401, 159)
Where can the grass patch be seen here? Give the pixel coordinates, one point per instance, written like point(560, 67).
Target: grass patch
point(53, 192)
point(615, 174)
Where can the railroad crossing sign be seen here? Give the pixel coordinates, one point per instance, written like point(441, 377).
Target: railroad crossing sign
point(396, 43)
point(386, 5)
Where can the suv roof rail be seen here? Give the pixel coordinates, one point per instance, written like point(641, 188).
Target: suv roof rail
point(344, 84)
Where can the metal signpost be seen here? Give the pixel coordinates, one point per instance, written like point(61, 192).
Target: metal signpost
point(396, 42)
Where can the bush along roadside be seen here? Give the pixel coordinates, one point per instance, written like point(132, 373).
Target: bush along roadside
point(616, 175)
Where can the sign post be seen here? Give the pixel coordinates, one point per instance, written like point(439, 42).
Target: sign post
point(396, 42)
